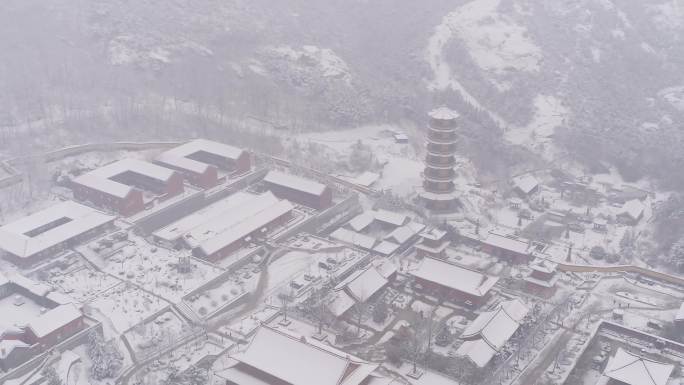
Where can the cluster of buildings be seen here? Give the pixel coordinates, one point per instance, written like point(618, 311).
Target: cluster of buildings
point(34, 318)
point(380, 231)
point(391, 255)
point(128, 186)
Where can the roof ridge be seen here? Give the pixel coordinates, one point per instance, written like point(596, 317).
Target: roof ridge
point(648, 372)
point(305, 342)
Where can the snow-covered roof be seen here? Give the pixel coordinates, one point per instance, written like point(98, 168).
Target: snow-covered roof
point(254, 215)
point(433, 234)
point(219, 210)
point(544, 265)
point(69, 218)
point(385, 267)
point(509, 243)
point(353, 238)
point(54, 319)
point(386, 247)
point(680, 313)
point(179, 156)
point(390, 217)
point(634, 209)
point(497, 326)
point(632, 369)
point(443, 113)
point(295, 183)
point(363, 284)
point(341, 302)
point(38, 289)
point(100, 179)
point(362, 221)
point(367, 178)
point(455, 277)
point(297, 360)
point(478, 351)
point(402, 234)
point(8, 345)
point(526, 183)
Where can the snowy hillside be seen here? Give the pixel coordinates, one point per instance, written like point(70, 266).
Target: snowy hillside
point(589, 78)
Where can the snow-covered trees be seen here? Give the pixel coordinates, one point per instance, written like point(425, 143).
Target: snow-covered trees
point(361, 157)
point(51, 376)
point(380, 311)
point(192, 376)
point(106, 358)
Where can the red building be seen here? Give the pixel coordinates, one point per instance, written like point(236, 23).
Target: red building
point(40, 319)
point(127, 186)
point(299, 190)
point(543, 278)
point(507, 247)
point(452, 282)
point(434, 243)
point(204, 163)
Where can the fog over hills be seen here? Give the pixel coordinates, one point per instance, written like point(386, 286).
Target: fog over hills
point(598, 80)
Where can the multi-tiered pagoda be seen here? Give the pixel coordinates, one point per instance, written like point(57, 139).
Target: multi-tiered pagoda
point(438, 192)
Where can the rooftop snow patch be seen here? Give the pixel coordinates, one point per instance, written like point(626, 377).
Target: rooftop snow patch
point(363, 284)
point(390, 217)
point(50, 227)
point(353, 238)
point(455, 277)
point(297, 360)
point(403, 234)
point(217, 211)
point(54, 319)
point(443, 113)
point(243, 220)
point(491, 330)
point(504, 242)
point(180, 156)
point(634, 209)
point(340, 303)
point(366, 179)
point(101, 179)
point(544, 265)
point(295, 183)
point(526, 183)
point(386, 248)
point(433, 234)
point(361, 221)
point(632, 369)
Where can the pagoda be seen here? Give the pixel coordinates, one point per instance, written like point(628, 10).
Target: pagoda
point(438, 192)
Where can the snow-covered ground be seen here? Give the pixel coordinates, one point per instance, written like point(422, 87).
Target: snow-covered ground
point(443, 76)
point(126, 305)
point(402, 166)
point(550, 113)
point(157, 269)
point(496, 42)
point(324, 60)
point(164, 330)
